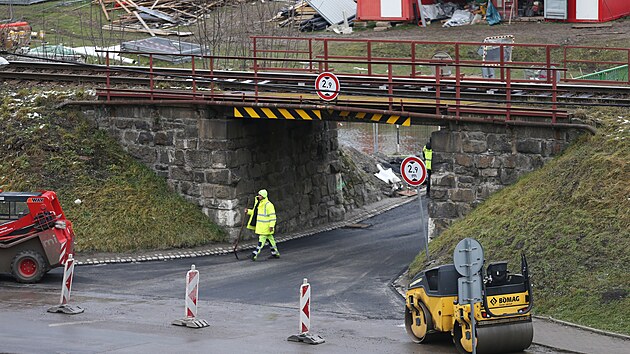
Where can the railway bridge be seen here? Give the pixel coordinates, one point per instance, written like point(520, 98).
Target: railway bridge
point(221, 128)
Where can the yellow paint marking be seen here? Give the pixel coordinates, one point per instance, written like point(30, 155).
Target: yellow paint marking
point(393, 119)
point(360, 115)
point(407, 122)
point(344, 114)
point(269, 113)
point(318, 114)
point(252, 113)
point(286, 114)
point(237, 113)
point(376, 117)
point(304, 114)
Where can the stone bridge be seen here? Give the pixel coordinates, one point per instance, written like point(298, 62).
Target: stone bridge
point(218, 162)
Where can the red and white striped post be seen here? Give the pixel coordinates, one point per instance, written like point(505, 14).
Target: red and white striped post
point(68, 274)
point(305, 318)
point(192, 295)
point(63, 254)
point(66, 288)
point(305, 307)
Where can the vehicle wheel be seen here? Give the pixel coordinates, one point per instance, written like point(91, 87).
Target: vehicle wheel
point(457, 337)
point(419, 324)
point(28, 266)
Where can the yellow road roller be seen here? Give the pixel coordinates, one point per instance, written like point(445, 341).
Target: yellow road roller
point(502, 319)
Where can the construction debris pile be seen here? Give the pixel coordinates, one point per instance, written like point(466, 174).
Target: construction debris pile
point(312, 15)
point(156, 17)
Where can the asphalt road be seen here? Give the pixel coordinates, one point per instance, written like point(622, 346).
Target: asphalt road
point(251, 306)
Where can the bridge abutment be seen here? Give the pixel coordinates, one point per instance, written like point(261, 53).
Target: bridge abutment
point(220, 163)
point(472, 161)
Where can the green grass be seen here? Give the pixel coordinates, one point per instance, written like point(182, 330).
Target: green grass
point(572, 220)
point(126, 207)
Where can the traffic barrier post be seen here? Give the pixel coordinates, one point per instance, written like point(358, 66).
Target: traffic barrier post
point(66, 288)
point(304, 335)
point(192, 291)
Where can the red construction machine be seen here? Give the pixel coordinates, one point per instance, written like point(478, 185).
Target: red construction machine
point(35, 235)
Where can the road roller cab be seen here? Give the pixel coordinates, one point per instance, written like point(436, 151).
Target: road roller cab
point(35, 235)
point(503, 319)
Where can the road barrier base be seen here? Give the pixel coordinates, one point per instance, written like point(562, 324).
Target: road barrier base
point(66, 309)
point(306, 338)
point(191, 323)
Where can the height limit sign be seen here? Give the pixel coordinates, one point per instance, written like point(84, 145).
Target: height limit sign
point(413, 171)
point(327, 86)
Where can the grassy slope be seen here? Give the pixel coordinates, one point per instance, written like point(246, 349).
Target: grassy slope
point(125, 206)
point(572, 220)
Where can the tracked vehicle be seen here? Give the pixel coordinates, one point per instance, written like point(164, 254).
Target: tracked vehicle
point(503, 319)
point(35, 235)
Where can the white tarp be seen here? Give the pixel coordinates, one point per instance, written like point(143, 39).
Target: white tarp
point(101, 52)
point(334, 11)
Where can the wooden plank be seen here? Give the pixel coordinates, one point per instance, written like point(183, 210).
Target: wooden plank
point(123, 6)
point(140, 29)
point(104, 10)
point(592, 25)
point(155, 3)
point(144, 24)
point(184, 13)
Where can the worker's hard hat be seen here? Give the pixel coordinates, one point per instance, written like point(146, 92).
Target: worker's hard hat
point(262, 193)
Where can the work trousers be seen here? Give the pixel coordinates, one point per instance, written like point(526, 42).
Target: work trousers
point(262, 239)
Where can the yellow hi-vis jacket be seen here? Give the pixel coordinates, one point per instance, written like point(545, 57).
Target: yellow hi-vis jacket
point(428, 155)
point(265, 219)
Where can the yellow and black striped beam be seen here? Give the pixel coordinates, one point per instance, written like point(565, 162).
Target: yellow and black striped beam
point(376, 118)
point(277, 113)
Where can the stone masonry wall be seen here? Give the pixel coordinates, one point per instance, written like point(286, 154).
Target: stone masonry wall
point(219, 164)
point(472, 161)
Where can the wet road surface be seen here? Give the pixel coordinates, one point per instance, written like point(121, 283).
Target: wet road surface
point(251, 306)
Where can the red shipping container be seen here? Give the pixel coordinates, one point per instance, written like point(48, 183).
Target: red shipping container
point(392, 10)
point(597, 10)
point(385, 10)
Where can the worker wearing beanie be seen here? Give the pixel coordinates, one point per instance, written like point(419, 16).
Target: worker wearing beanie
point(262, 219)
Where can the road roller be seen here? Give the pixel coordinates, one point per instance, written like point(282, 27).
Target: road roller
point(502, 319)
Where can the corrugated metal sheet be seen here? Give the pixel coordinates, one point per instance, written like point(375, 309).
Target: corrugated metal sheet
point(163, 48)
point(333, 10)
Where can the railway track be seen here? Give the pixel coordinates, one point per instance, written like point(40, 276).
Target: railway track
point(399, 91)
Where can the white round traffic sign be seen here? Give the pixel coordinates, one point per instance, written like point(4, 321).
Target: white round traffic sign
point(327, 86)
point(413, 171)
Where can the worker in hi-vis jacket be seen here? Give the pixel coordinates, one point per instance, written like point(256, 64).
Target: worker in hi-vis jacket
point(262, 219)
point(427, 153)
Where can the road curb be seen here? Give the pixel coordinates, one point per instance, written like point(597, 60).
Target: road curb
point(585, 328)
point(353, 217)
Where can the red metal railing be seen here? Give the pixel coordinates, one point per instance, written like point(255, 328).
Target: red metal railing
point(552, 57)
point(410, 67)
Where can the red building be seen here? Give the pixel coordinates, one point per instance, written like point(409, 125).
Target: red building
point(586, 10)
